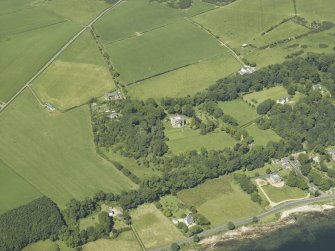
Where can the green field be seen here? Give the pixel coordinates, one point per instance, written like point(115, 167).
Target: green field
point(243, 20)
point(240, 110)
point(172, 204)
point(316, 10)
point(153, 227)
point(47, 245)
point(273, 93)
point(38, 46)
point(79, 74)
point(55, 152)
point(185, 81)
point(220, 200)
point(286, 30)
point(15, 191)
point(124, 242)
point(187, 139)
point(284, 193)
point(262, 137)
point(162, 50)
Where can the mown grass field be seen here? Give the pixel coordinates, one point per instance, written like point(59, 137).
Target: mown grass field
point(220, 200)
point(124, 242)
point(79, 74)
point(55, 152)
point(186, 139)
point(185, 81)
point(162, 50)
point(241, 21)
point(273, 93)
point(240, 110)
point(153, 227)
point(284, 193)
point(14, 190)
point(262, 137)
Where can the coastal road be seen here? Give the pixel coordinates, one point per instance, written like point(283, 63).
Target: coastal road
point(3, 106)
point(245, 221)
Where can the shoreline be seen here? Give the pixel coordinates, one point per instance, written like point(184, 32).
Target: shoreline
point(253, 232)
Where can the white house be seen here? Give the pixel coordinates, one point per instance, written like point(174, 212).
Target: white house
point(177, 120)
point(247, 70)
point(50, 107)
point(275, 178)
point(283, 100)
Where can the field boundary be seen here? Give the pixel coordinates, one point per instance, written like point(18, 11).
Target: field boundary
point(138, 238)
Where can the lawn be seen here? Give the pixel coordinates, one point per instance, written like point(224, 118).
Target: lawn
point(78, 75)
point(153, 227)
point(162, 50)
point(284, 193)
point(23, 54)
point(187, 139)
point(185, 81)
point(172, 204)
point(55, 152)
point(220, 200)
point(240, 110)
point(145, 16)
point(243, 20)
point(124, 242)
point(273, 93)
point(15, 191)
point(262, 137)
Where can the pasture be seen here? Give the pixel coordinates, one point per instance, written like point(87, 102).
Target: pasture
point(38, 46)
point(220, 200)
point(46, 245)
point(124, 242)
point(273, 93)
point(315, 10)
point(187, 80)
point(240, 110)
point(162, 50)
point(262, 137)
point(186, 139)
point(153, 227)
point(79, 74)
point(15, 191)
point(284, 193)
point(243, 20)
point(55, 152)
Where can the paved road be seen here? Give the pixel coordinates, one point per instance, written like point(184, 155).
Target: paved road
point(57, 54)
point(245, 221)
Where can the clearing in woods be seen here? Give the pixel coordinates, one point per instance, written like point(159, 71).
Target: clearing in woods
point(55, 152)
point(79, 74)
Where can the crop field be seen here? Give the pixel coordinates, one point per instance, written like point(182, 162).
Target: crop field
point(187, 139)
point(241, 21)
point(162, 50)
point(284, 193)
point(185, 81)
point(273, 93)
point(55, 152)
point(220, 200)
point(15, 191)
point(240, 110)
point(153, 227)
point(262, 137)
point(124, 242)
point(79, 74)
point(286, 30)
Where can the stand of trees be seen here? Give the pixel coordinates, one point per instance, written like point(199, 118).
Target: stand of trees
point(38, 220)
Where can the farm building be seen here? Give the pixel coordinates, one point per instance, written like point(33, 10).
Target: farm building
point(113, 96)
point(283, 100)
point(246, 70)
point(50, 107)
point(275, 178)
point(189, 220)
point(114, 212)
point(177, 120)
point(113, 115)
point(244, 45)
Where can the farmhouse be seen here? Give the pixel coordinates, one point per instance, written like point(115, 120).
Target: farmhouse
point(275, 178)
point(113, 96)
point(177, 121)
point(189, 220)
point(246, 70)
point(113, 115)
point(283, 100)
point(50, 107)
point(114, 212)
